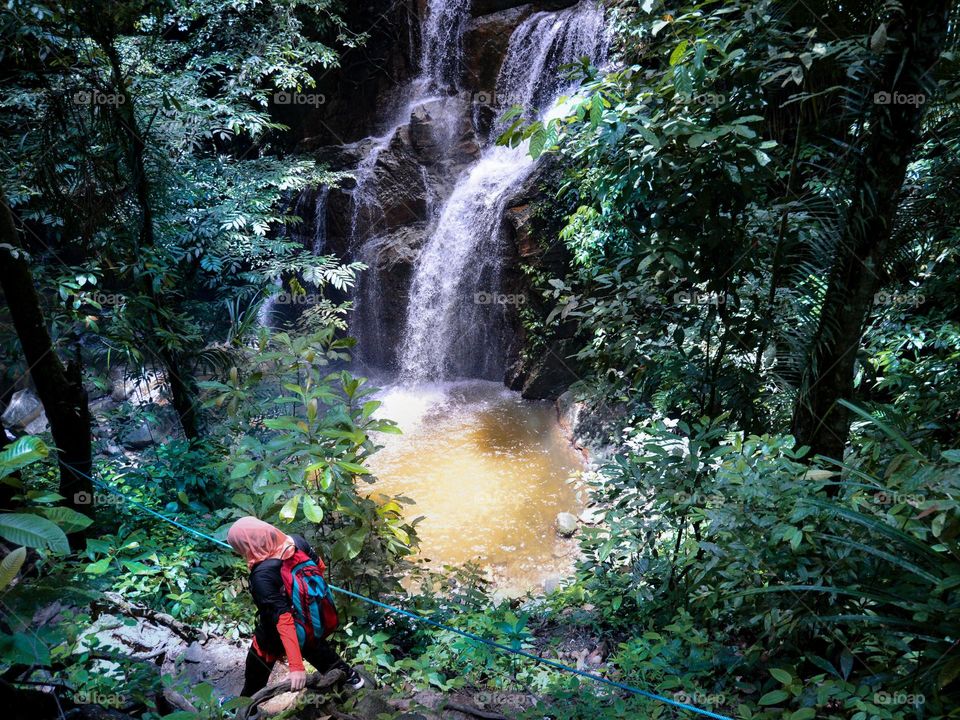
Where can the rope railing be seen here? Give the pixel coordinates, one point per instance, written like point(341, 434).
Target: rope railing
point(594, 677)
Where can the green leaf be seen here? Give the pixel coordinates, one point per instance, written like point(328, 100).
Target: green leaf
point(846, 663)
point(698, 139)
point(23, 649)
point(21, 453)
point(890, 432)
point(782, 676)
point(289, 510)
point(68, 519)
point(369, 408)
point(11, 565)
point(596, 110)
point(678, 52)
point(312, 511)
point(774, 697)
point(242, 469)
point(803, 714)
point(537, 142)
point(352, 467)
point(952, 456)
point(33, 531)
point(99, 567)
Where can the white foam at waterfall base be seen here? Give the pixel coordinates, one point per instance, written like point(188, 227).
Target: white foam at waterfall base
point(448, 333)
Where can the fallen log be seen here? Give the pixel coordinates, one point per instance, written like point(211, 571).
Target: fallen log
point(315, 681)
point(185, 631)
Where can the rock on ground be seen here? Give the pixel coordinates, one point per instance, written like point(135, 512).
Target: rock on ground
point(566, 524)
point(24, 408)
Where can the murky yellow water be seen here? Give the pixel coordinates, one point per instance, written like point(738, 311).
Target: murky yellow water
point(488, 471)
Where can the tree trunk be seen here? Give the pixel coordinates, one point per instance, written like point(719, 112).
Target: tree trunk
point(60, 388)
point(182, 390)
point(915, 37)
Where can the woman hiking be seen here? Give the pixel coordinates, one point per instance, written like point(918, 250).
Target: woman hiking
point(264, 547)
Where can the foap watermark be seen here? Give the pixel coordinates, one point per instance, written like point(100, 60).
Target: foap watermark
point(701, 99)
point(700, 698)
point(898, 98)
point(85, 498)
point(897, 498)
point(287, 298)
point(514, 700)
point(698, 499)
point(698, 298)
point(484, 97)
point(95, 97)
point(103, 299)
point(889, 298)
point(289, 98)
point(487, 298)
point(898, 698)
point(93, 697)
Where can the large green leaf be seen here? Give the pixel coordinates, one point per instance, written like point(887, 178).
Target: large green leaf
point(21, 453)
point(33, 531)
point(289, 510)
point(11, 565)
point(68, 519)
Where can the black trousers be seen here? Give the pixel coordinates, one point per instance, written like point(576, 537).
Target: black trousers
point(320, 655)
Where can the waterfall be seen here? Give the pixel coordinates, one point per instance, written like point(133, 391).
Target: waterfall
point(455, 324)
point(311, 232)
point(319, 239)
point(442, 49)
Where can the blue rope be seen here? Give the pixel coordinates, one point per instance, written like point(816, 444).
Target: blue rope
point(428, 621)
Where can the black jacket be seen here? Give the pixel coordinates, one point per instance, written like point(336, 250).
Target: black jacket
point(271, 598)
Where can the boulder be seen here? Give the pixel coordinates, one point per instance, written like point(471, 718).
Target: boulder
point(141, 436)
point(547, 376)
point(566, 524)
point(23, 409)
point(148, 387)
point(38, 425)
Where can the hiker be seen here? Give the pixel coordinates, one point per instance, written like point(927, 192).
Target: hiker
point(271, 556)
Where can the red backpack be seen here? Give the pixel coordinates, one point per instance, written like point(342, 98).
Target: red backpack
point(314, 613)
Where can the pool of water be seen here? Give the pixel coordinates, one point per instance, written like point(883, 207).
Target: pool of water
point(488, 471)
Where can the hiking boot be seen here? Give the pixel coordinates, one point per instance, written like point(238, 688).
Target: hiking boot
point(353, 680)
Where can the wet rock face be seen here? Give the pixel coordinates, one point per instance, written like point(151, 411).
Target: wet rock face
point(400, 184)
point(485, 43)
point(441, 132)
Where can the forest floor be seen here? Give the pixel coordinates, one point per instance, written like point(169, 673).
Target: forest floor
point(189, 657)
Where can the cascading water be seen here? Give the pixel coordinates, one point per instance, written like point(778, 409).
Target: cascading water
point(311, 232)
point(486, 468)
point(442, 34)
point(454, 326)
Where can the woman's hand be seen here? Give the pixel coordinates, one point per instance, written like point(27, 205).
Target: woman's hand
point(298, 680)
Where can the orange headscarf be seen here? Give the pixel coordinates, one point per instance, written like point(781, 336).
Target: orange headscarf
point(257, 540)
